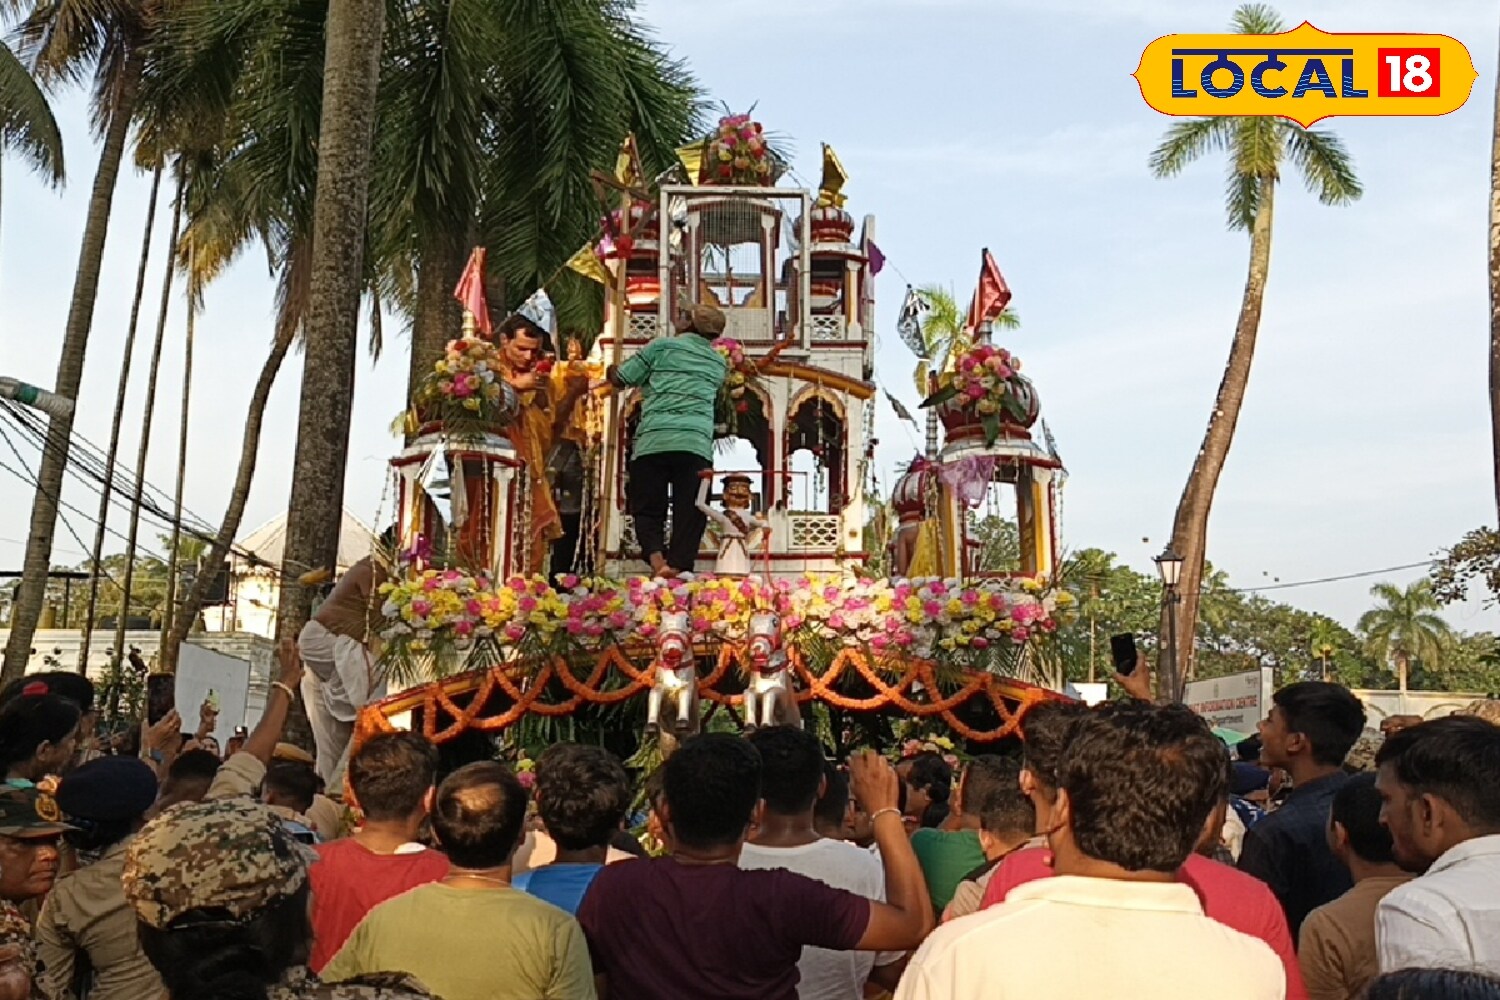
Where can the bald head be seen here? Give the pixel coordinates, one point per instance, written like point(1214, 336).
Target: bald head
point(478, 815)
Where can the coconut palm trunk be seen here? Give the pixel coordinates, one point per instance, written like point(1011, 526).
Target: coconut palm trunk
point(314, 515)
point(239, 496)
point(54, 460)
point(174, 547)
point(106, 493)
point(1190, 527)
point(436, 316)
point(143, 448)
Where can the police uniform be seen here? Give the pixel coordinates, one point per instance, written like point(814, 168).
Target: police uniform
point(234, 855)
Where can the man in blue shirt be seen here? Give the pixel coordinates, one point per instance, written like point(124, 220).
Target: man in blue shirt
point(582, 793)
point(1308, 733)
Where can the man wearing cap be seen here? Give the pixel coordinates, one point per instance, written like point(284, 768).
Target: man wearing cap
point(679, 379)
point(85, 923)
point(220, 894)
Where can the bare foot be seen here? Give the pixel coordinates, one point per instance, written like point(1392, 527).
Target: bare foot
point(657, 562)
point(665, 572)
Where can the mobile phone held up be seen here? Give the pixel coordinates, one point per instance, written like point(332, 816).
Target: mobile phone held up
point(1123, 651)
point(161, 697)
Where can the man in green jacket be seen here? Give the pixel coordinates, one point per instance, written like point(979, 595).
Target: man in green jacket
point(679, 379)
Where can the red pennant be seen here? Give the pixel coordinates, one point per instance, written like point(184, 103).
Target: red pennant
point(992, 296)
point(470, 291)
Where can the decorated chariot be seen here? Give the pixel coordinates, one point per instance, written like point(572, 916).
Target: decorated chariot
point(480, 636)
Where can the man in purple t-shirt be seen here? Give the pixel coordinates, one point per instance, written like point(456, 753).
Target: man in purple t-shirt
point(694, 924)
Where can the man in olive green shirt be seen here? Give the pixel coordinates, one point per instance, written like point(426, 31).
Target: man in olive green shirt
point(472, 936)
point(679, 378)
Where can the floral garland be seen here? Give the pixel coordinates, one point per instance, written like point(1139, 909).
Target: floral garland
point(446, 616)
point(737, 153)
point(931, 743)
point(987, 380)
point(743, 375)
point(465, 386)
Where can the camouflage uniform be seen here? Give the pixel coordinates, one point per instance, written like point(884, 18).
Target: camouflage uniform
point(1362, 755)
point(1487, 709)
point(15, 933)
point(234, 855)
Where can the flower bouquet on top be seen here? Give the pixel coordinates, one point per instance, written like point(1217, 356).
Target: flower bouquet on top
point(735, 400)
point(738, 154)
point(465, 389)
point(986, 380)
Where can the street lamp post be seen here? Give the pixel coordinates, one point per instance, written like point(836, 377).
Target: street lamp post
point(1169, 566)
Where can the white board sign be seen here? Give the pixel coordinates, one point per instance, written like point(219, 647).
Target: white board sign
point(200, 670)
point(1238, 702)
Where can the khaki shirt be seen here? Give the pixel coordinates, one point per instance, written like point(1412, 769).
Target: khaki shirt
point(1337, 946)
point(86, 917)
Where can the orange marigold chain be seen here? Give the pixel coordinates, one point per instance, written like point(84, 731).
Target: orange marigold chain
point(435, 699)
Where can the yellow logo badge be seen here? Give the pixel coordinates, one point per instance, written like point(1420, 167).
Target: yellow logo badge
point(1306, 74)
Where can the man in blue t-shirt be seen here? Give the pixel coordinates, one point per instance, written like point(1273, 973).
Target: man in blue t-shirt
point(582, 793)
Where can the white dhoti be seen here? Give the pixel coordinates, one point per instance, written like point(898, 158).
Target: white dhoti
point(338, 682)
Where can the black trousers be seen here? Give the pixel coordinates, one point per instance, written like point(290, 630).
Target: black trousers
point(651, 478)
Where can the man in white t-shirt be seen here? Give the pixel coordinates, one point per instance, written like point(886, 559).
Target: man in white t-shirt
point(786, 837)
point(1439, 784)
point(1134, 789)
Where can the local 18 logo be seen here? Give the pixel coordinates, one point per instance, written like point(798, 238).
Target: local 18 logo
point(1306, 74)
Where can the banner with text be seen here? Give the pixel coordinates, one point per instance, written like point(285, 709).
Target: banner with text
point(1236, 702)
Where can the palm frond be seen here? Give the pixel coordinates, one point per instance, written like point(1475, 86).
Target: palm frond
point(1325, 165)
point(26, 122)
point(1185, 141)
point(1256, 19)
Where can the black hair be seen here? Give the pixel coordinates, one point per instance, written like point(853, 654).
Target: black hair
point(711, 785)
point(992, 792)
point(97, 834)
point(582, 795)
point(516, 323)
point(1248, 750)
point(478, 815)
point(1457, 759)
point(1141, 781)
point(391, 774)
point(1044, 732)
point(1356, 808)
point(293, 782)
point(834, 805)
point(932, 774)
point(791, 768)
point(200, 765)
point(1327, 714)
point(1433, 984)
point(64, 683)
point(31, 720)
point(207, 955)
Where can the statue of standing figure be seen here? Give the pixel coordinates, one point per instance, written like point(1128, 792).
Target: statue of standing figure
point(736, 529)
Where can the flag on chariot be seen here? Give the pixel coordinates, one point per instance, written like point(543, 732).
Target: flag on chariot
point(470, 291)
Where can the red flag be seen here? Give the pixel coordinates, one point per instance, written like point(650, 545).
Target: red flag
point(470, 291)
point(992, 296)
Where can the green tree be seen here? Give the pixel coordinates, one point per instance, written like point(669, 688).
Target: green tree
point(1404, 628)
point(68, 40)
point(1258, 149)
point(26, 123)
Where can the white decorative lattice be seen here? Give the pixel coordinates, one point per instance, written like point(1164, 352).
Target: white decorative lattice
point(812, 532)
point(828, 328)
point(749, 324)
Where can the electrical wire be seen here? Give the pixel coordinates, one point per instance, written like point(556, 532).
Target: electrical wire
point(1325, 579)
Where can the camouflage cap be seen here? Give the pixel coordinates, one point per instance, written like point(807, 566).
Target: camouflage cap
point(1361, 756)
point(29, 812)
point(231, 854)
point(1487, 709)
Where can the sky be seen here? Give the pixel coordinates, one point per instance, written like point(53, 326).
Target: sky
point(1007, 124)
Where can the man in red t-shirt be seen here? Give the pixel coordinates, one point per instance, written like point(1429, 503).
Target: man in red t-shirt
point(392, 778)
point(1238, 901)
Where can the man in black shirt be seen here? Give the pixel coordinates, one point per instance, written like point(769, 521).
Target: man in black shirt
point(1308, 733)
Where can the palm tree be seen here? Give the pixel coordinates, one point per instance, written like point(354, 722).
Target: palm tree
point(945, 336)
point(1405, 627)
point(71, 39)
point(351, 73)
point(26, 122)
point(1323, 643)
point(1257, 148)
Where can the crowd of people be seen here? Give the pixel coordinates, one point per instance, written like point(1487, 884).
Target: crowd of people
point(1093, 863)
